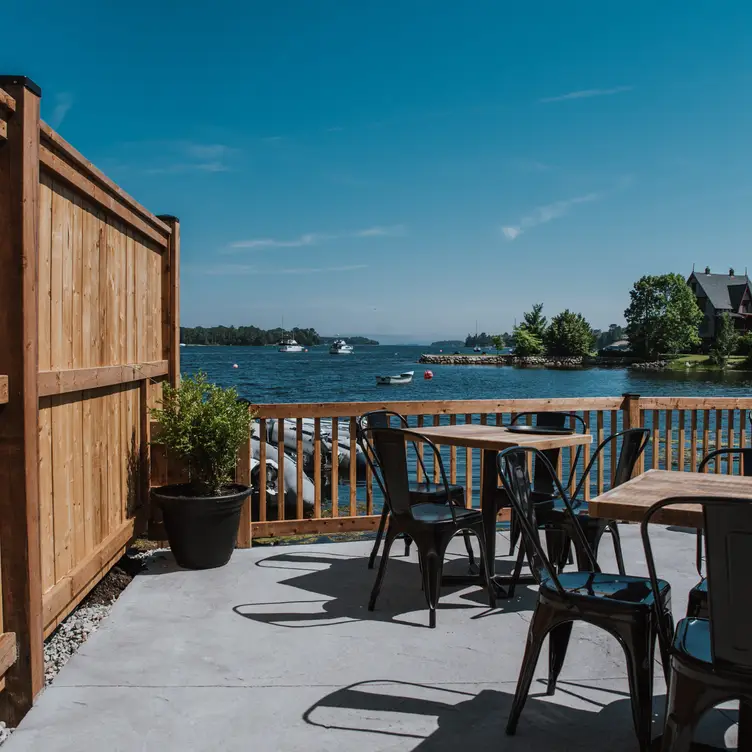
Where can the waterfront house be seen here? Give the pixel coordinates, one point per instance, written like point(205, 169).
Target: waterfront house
point(719, 293)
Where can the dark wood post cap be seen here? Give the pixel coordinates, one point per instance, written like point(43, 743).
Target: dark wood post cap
point(20, 81)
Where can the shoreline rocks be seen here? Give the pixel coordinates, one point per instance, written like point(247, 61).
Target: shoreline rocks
point(541, 361)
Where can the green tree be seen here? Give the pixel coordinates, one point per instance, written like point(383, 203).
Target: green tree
point(569, 334)
point(726, 341)
point(744, 346)
point(663, 316)
point(526, 343)
point(535, 322)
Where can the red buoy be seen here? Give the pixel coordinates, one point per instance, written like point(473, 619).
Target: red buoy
point(428, 375)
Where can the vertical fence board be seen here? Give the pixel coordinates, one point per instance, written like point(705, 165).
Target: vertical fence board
point(353, 467)
point(682, 440)
point(453, 454)
point(281, 469)
point(468, 470)
point(718, 438)
point(262, 470)
point(335, 467)
point(299, 467)
point(317, 467)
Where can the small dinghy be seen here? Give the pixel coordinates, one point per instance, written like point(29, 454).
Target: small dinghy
point(403, 378)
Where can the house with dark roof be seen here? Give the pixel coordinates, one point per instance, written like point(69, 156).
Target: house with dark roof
point(719, 293)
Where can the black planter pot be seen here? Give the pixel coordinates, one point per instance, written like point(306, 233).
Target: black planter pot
point(202, 530)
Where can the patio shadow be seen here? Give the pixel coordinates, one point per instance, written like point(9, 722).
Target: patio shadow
point(441, 719)
point(343, 584)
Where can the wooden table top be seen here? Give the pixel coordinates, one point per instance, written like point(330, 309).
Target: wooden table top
point(632, 499)
point(497, 438)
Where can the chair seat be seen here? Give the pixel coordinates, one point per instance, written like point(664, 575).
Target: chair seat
point(428, 491)
point(435, 513)
point(692, 639)
point(615, 588)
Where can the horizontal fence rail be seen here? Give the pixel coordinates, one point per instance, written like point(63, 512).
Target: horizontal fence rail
point(299, 488)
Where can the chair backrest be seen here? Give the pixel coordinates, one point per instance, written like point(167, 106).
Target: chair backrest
point(390, 447)
point(512, 465)
point(541, 478)
point(744, 454)
point(633, 444)
point(382, 419)
point(728, 546)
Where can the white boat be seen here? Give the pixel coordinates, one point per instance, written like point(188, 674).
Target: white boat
point(289, 345)
point(477, 349)
point(403, 378)
point(340, 347)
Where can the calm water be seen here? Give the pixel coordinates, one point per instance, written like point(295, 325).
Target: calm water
point(265, 375)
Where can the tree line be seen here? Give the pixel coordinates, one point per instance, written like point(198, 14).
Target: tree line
point(245, 335)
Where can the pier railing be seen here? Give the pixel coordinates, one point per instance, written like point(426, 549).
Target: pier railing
point(308, 492)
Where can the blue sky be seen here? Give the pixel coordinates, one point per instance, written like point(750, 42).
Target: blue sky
point(403, 168)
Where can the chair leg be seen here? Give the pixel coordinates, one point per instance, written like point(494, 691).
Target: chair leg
point(541, 623)
point(558, 640)
point(485, 569)
point(379, 535)
point(432, 568)
point(613, 528)
point(638, 641)
point(390, 536)
point(517, 570)
point(408, 541)
point(687, 701)
point(514, 531)
point(555, 545)
point(744, 733)
point(469, 549)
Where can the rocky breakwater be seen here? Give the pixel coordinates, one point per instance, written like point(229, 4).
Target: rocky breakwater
point(535, 361)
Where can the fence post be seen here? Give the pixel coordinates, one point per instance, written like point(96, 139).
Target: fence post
point(243, 475)
point(171, 299)
point(19, 419)
point(631, 410)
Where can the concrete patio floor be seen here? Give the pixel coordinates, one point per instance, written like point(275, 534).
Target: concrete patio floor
point(277, 651)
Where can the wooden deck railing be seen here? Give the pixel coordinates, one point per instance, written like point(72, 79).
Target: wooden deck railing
point(346, 498)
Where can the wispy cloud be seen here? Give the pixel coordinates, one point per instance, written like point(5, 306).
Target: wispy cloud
point(190, 156)
point(63, 103)
point(315, 238)
point(543, 214)
point(335, 129)
point(244, 269)
point(586, 94)
point(310, 238)
point(380, 231)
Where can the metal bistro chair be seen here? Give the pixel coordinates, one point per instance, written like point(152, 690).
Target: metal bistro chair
point(431, 524)
point(624, 606)
point(557, 522)
point(697, 605)
point(541, 481)
point(711, 659)
point(420, 492)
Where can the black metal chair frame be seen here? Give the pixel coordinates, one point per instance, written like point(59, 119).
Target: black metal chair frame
point(633, 623)
point(695, 686)
point(431, 537)
point(372, 460)
point(594, 527)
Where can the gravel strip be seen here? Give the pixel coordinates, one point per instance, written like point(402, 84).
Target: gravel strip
point(76, 628)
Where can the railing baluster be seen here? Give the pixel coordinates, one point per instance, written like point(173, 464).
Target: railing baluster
point(317, 468)
point(419, 445)
point(682, 440)
point(656, 426)
point(693, 443)
point(599, 461)
point(436, 473)
point(614, 425)
point(572, 456)
point(742, 428)
point(468, 470)
point(483, 422)
point(730, 441)
point(262, 470)
point(586, 454)
point(669, 439)
point(299, 467)
point(335, 467)
point(705, 433)
point(281, 469)
point(353, 468)
point(453, 454)
point(718, 438)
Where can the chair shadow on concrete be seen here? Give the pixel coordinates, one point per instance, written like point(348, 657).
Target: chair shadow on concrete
point(341, 585)
point(442, 719)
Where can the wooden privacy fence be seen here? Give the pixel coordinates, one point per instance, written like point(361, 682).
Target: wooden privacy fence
point(682, 430)
point(89, 326)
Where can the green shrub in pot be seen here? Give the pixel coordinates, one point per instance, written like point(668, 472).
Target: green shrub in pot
point(204, 425)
